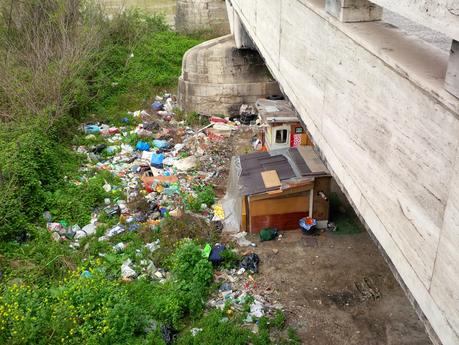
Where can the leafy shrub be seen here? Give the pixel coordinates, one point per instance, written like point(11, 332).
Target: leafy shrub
point(192, 274)
point(30, 164)
point(218, 329)
point(96, 310)
point(173, 230)
point(204, 195)
point(81, 310)
point(75, 202)
point(230, 259)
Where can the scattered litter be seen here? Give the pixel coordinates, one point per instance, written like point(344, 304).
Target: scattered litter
point(127, 272)
point(152, 246)
point(185, 164)
point(119, 247)
point(195, 331)
point(241, 240)
point(250, 262)
point(87, 230)
point(307, 225)
point(168, 333)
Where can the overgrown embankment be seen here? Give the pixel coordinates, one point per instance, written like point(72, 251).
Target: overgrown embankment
point(64, 63)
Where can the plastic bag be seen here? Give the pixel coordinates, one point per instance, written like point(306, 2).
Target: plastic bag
point(268, 234)
point(157, 160)
point(142, 146)
point(307, 225)
point(250, 262)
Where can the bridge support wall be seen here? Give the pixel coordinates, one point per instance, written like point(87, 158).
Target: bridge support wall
point(374, 102)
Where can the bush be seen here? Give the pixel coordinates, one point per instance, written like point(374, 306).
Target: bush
point(47, 47)
point(75, 202)
point(30, 164)
point(173, 230)
point(96, 310)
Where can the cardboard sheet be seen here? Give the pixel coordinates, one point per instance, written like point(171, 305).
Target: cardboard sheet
point(270, 178)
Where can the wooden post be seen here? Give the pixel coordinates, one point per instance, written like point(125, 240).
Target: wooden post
point(348, 11)
point(452, 73)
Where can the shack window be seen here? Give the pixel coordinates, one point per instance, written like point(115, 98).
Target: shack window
point(281, 136)
point(298, 130)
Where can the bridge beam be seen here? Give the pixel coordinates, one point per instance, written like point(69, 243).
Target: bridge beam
point(348, 11)
point(375, 103)
point(452, 74)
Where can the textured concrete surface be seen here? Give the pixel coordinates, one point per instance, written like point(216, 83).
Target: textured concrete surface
point(199, 15)
point(217, 78)
point(439, 15)
point(435, 38)
point(373, 99)
point(167, 7)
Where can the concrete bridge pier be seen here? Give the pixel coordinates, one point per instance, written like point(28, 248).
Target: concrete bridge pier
point(202, 15)
point(217, 78)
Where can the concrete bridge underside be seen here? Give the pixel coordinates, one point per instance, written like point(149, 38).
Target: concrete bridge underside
point(386, 120)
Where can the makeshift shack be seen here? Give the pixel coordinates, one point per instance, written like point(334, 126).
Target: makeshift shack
point(280, 126)
point(277, 189)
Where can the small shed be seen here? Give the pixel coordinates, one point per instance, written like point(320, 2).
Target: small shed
point(278, 188)
point(280, 126)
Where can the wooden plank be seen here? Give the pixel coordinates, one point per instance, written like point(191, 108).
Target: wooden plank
point(279, 205)
point(285, 192)
point(270, 178)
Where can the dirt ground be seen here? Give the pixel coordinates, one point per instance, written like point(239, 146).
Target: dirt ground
point(337, 289)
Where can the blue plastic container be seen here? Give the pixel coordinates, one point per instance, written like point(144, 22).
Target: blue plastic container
point(157, 160)
point(142, 146)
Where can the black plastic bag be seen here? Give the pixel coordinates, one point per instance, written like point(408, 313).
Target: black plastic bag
point(250, 262)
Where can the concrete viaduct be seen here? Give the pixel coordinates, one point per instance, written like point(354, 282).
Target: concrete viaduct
point(383, 109)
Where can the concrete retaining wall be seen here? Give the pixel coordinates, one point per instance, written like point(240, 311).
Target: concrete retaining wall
point(374, 102)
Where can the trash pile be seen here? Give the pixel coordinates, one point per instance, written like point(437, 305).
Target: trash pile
point(238, 292)
point(160, 161)
point(166, 169)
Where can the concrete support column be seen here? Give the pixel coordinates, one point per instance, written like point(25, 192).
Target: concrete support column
point(452, 73)
point(348, 11)
point(241, 37)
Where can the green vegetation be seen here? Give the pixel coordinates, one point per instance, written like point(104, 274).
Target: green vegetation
point(64, 63)
point(204, 195)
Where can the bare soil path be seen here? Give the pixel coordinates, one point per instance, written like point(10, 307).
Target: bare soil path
point(337, 289)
